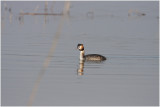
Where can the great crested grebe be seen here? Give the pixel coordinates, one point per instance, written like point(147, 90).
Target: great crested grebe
point(89, 57)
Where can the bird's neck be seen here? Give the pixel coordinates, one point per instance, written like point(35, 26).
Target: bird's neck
point(82, 55)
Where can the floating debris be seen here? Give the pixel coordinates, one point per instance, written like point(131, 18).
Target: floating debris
point(135, 13)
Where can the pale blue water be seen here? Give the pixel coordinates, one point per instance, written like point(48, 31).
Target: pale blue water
point(129, 76)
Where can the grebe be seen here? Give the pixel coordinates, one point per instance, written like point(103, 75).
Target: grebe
point(89, 57)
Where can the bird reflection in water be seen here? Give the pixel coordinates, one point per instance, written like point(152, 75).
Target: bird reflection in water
point(80, 69)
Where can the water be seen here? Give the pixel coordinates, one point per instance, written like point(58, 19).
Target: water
point(40, 62)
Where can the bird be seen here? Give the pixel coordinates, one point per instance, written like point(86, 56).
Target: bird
point(89, 57)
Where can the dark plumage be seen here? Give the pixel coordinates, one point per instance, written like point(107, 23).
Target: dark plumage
point(94, 57)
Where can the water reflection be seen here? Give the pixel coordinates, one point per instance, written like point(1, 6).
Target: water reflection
point(21, 18)
point(45, 11)
point(90, 15)
point(10, 12)
point(48, 58)
point(10, 15)
point(5, 7)
point(80, 70)
point(52, 7)
point(135, 13)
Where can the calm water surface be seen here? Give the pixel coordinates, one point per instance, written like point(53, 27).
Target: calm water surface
point(118, 30)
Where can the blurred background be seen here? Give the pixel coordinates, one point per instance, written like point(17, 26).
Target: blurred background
point(40, 62)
